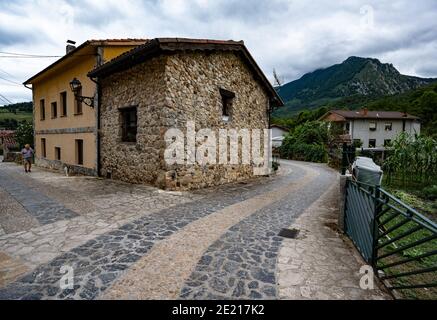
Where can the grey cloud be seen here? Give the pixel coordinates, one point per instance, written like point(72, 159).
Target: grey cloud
point(292, 36)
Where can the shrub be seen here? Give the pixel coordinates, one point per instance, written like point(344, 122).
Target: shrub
point(307, 142)
point(430, 192)
point(24, 134)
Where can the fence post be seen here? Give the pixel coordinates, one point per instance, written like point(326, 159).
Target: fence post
point(375, 227)
point(344, 162)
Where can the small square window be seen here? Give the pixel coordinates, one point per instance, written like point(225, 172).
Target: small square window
point(372, 126)
point(388, 126)
point(387, 143)
point(227, 100)
point(372, 143)
point(128, 124)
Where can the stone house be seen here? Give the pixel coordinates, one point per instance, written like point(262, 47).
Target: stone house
point(166, 83)
point(373, 129)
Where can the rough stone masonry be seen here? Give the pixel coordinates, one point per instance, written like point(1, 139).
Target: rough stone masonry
point(168, 90)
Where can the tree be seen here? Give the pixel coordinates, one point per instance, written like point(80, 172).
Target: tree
point(24, 134)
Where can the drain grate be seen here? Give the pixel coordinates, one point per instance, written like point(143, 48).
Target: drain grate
point(288, 233)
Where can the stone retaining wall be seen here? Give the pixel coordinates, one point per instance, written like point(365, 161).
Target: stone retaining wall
point(60, 166)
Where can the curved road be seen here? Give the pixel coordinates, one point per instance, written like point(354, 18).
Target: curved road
point(216, 244)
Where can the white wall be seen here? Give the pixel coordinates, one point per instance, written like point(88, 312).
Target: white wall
point(277, 132)
point(359, 129)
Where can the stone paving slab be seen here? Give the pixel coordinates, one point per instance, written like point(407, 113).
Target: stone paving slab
point(44, 209)
point(10, 269)
point(321, 263)
point(162, 272)
point(23, 238)
point(241, 264)
point(98, 262)
point(13, 216)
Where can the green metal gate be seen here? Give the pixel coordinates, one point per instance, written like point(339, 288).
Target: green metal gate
point(399, 242)
point(359, 218)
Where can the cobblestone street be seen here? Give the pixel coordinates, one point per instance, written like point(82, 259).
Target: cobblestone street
point(128, 241)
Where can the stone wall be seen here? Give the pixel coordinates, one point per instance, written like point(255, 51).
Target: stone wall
point(193, 83)
point(142, 86)
point(169, 91)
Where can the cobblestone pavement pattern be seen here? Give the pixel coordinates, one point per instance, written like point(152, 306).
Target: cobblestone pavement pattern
point(137, 242)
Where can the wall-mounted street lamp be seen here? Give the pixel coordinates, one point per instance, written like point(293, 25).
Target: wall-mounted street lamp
point(76, 87)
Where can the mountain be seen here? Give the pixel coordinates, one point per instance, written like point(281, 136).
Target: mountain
point(360, 79)
point(421, 102)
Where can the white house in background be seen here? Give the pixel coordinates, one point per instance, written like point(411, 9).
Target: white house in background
point(374, 129)
point(278, 134)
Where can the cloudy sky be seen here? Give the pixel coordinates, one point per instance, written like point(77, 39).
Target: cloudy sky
point(292, 36)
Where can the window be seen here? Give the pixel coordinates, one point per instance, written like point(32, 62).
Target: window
point(372, 126)
point(42, 109)
point(227, 100)
point(78, 104)
point(128, 124)
point(372, 143)
point(387, 143)
point(43, 148)
point(388, 126)
point(54, 110)
point(79, 152)
point(57, 153)
point(63, 99)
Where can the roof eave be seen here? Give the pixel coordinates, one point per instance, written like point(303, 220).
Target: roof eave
point(159, 45)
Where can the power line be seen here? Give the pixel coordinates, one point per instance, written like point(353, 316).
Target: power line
point(24, 57)
point(7, 73)
point(14, 82)
point(5, 99)
point(27, 55)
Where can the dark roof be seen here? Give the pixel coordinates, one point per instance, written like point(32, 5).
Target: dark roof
point(280, 127)
point(360, 114)
point(159, 46)
point(93, 42)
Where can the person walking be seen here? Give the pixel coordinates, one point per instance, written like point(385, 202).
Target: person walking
point(27, 153)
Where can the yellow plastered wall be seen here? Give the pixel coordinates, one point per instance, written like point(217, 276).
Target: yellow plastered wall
point(67, 143)
point(49, 87)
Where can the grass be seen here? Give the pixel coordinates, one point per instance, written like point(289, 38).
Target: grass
point(4, 114)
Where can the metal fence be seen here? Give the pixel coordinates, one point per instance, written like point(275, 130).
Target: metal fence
point(399, 242)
